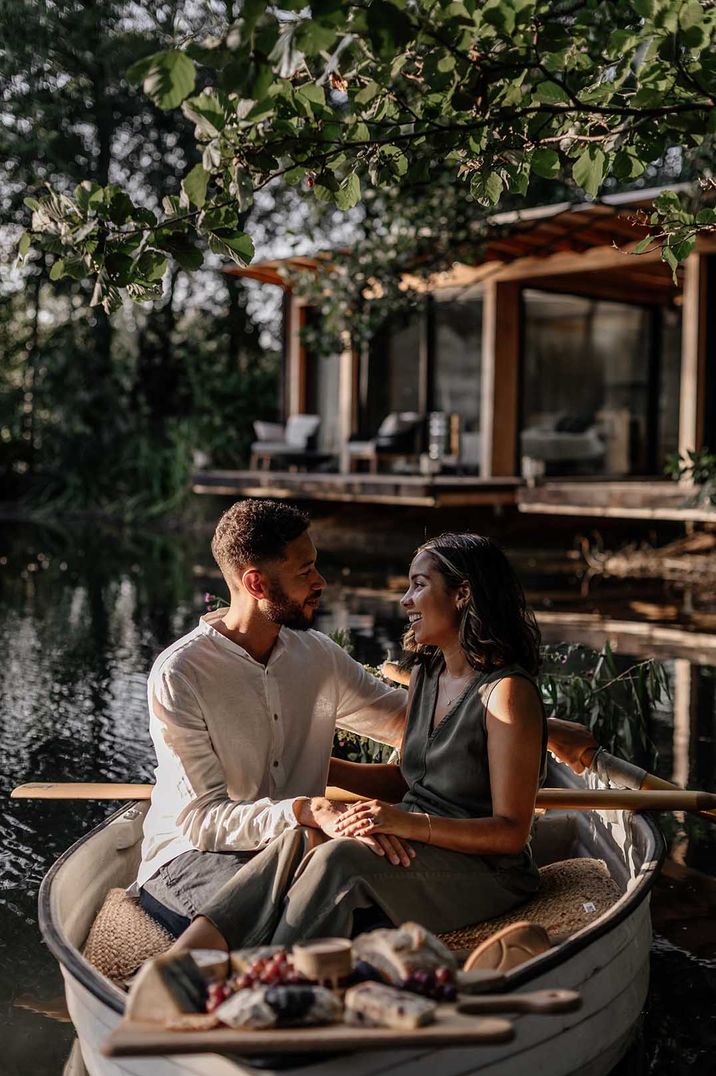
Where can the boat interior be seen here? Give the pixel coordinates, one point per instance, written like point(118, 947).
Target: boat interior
point(595, 866)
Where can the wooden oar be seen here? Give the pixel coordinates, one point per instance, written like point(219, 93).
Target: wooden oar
point(77, 790)
point(581, 799)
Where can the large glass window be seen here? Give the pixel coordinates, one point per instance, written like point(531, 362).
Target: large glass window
point(322, 386)
point(391, 371)
point(587, 371)
point(456, 364)
point(669, 386)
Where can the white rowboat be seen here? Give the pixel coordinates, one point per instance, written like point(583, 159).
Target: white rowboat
point(607, 961)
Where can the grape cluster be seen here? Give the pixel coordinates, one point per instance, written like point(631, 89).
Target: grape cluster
point(275, 970)
point(216, 993)
point(438, 984)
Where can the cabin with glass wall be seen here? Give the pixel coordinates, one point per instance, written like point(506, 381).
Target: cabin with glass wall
point(557, 372)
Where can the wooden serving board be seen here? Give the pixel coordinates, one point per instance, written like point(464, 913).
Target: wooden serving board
point(451, 1028)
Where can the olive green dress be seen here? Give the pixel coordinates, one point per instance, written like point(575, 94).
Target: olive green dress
point(288, 892)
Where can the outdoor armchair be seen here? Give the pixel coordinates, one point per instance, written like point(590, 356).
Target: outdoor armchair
point(399, 434)
point(294, 443)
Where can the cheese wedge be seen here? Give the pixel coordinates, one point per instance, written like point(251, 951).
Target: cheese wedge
point(376, 1005)
point(398, 953)
point(280, 1006)
point(165, 987)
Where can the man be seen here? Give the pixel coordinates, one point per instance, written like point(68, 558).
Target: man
point(242, 716)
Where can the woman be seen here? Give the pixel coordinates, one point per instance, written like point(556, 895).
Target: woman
point(463, 796)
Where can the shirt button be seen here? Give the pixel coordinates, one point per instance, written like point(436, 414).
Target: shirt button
point(275, 717)
point(275, 763)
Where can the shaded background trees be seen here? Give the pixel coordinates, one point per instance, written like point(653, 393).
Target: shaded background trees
point(99, 412)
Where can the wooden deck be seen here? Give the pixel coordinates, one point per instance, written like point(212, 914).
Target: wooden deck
point(437, 491)
point(646, 499)
point(639, 499)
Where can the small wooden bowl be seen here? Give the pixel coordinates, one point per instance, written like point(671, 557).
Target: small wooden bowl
point(324, 959)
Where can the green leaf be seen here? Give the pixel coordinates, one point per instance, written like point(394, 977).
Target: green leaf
point(88, 195)
point(389, 28)
point(348, 194)
point(194, 185)
point(549, 93)
point(312, 93)
point(589, 169)
point(545, 163)
point(682, 248)
point(181, 248)
point(24, 245)
point(151, 265)
point(120, 208)
point(627, 165)
point(486, 188)
point(691, 14)
point(312, 37)
point(294, 176)
point(366, 95)
point(238, 247)
point(643, 244)
point(396, 159)
point(207, 112)
point(58, 269)
point(169, 79)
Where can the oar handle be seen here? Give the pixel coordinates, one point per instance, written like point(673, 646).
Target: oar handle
point(77, 790)
point(538, 1001)
point(625, 799)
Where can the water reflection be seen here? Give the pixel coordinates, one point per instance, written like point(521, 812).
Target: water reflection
point(83, 613)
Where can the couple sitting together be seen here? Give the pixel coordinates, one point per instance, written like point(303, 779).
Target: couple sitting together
point(242, 847)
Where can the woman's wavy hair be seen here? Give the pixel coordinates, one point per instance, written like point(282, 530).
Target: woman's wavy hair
point(496, 626)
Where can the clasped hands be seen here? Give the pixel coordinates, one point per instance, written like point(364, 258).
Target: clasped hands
point(371, 822)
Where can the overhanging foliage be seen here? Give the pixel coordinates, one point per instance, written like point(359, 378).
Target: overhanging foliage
point(344, 96)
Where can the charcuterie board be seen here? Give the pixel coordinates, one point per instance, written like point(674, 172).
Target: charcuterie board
point(451, 1028)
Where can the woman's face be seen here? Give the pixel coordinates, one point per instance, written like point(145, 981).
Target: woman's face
point(431, 607)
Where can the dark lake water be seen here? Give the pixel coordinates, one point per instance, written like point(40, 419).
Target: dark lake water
point(84, 611)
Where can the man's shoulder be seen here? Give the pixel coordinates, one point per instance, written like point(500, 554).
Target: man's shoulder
point(180, 655)
point(313, 642)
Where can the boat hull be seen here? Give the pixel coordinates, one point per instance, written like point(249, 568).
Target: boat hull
point(607, 962)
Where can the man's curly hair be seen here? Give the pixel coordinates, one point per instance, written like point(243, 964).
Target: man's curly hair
point(253, 532)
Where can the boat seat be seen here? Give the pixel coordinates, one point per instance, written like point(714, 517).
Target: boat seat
point(572, 894)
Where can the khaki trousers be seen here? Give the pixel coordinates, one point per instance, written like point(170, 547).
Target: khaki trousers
point(295, 889)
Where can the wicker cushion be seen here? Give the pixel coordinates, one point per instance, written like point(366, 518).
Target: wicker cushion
point(123, 936)
point(572, 894)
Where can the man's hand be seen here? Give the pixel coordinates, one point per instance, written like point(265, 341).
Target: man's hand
point(572, 743)
point(324, 814)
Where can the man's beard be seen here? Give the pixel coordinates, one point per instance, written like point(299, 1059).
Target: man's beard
point(280, 609)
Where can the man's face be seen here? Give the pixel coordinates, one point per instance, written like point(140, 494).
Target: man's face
point(294, 586)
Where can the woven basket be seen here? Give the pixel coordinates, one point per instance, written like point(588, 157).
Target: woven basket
point(123, 936)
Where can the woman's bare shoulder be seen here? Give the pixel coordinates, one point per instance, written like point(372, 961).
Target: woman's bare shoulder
point(514, 699)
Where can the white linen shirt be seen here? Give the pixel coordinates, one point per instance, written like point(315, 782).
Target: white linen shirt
point(237, 742)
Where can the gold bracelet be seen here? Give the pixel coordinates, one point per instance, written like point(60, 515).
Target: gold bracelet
point(430, 828)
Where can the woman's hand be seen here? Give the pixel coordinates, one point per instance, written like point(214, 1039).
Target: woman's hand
point(326, 815)
point(369, 817)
